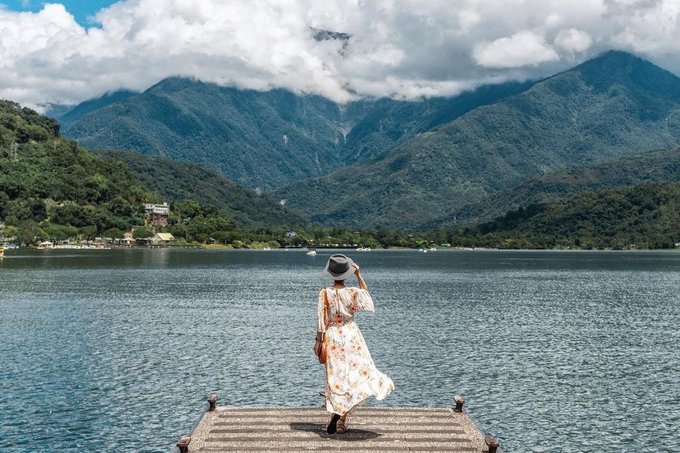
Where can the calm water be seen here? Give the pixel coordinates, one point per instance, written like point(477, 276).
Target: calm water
point(119, 349)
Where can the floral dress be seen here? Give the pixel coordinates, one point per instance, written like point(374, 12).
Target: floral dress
point(351, 375)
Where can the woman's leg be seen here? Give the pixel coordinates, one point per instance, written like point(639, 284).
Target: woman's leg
point(341, 427)
point(333, 424)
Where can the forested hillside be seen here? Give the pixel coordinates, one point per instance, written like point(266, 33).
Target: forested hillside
point(384, 123)
point(43, 176)
point(614, 105)
point(644, 216)
point(654, 166)
point(51, 188)
point(175, 181)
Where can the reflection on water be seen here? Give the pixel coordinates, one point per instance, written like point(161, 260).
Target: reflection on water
point(103, 348)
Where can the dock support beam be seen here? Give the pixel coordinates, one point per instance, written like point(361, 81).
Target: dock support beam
point(459, 400)
point(212, 402)
point(491, 442)
point(183, 443)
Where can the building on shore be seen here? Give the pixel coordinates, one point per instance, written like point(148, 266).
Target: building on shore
point(157, 213)
point(162, 239)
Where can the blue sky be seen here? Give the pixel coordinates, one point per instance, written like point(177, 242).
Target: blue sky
point(82, 10)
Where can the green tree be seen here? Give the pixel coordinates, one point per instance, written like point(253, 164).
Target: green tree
point(88, 232)
point(114, 233)
point(29, 233)
point(142, 233)
point(56, 232)
point(187, 209)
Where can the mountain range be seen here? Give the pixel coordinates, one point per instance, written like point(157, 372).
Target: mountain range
point(411, 165)
point(611, 106)
point(260, 139)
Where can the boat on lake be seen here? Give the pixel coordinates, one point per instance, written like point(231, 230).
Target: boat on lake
point(311, 253)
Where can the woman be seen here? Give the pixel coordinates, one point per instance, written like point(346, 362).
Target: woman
point(351, 375)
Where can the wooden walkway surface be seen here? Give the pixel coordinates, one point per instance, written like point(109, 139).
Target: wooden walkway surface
point(240, 429)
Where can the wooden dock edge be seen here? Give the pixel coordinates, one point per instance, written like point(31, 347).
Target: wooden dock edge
point(196, 440)
point(182, 445)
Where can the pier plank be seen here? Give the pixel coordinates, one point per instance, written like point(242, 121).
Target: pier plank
point(228, 429)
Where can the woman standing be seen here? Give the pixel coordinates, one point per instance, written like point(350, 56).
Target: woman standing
point(351, 375)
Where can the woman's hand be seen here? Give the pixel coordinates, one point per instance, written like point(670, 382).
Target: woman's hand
point(357, 272)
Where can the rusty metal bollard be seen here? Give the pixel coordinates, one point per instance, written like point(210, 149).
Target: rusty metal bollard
point(491, 442)
point(459, 400)
point(183, 443)
point(212, 401)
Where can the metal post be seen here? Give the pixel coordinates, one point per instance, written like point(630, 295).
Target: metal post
point(459, 400)
point(212, 401)
point(183, 443)
point(491, 442)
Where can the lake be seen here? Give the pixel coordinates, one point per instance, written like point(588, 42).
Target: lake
point(553, 351)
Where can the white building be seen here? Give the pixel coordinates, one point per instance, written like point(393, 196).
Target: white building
point(160, 209)
point(158, 213)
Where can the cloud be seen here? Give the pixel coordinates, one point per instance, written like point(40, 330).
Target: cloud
point(573, 40)
point(521, 49)
point(403, 49)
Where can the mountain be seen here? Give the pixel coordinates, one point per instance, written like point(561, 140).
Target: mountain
point(642, 216)
point(176, 181)
point(613, 105)
point(49, 186)
point(261, 138)
point(257, 139)
point(73, 114)
point(46, 177)
point(384, 123)
point(55, 111)
point(653, 166)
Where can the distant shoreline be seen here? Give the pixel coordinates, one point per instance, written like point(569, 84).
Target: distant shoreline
point(228, 248)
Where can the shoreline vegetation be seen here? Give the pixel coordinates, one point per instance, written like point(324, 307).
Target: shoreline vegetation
point(266, 247)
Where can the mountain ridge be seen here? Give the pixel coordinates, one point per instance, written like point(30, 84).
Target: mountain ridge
point(177, 181)
point(659, 166)
point(262, 139)
point(566, 119)
point(640, 216)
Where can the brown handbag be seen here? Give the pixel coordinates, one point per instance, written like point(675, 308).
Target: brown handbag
point(323, 353)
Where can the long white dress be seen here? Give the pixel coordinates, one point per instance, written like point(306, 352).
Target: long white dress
point(351, 375)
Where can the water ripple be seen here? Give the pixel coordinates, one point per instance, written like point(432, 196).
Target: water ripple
point(574, 350)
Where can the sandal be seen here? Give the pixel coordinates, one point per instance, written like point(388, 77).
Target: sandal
point(333, 424)
point(341, 428)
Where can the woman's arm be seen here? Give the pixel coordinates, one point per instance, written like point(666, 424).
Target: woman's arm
point(360, 278)
point(361, 300)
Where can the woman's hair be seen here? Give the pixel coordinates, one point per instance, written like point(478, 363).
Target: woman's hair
point(339, 281)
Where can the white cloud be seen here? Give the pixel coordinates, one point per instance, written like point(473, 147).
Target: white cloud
point(652, 29)
point(521, 49)
point(405, 48)
point(573, 40)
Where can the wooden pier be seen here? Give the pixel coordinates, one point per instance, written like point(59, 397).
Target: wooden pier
point(378, 429)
